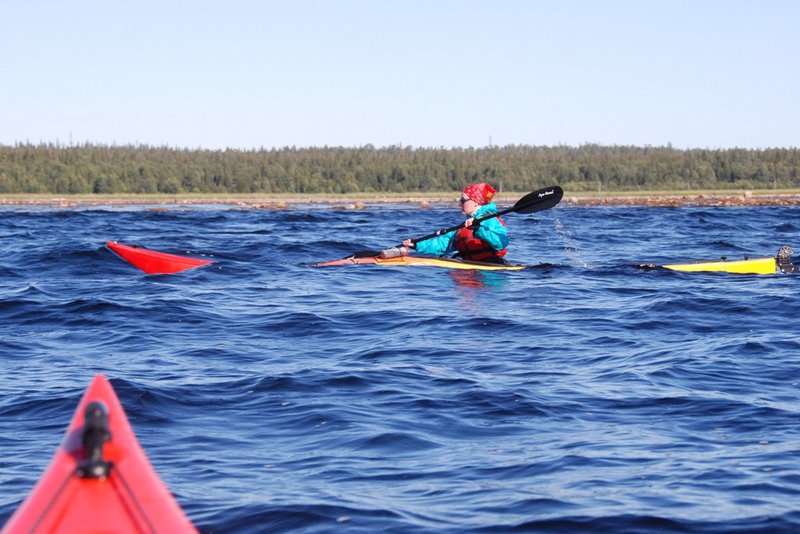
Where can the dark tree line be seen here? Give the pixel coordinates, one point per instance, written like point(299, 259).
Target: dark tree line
point(91, 168)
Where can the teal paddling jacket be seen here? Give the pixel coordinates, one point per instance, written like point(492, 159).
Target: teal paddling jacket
point(491, 231)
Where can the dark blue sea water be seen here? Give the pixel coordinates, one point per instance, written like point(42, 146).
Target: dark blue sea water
point(583, 395)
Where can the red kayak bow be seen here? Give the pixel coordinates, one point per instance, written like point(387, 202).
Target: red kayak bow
point(100, 479)
point(154, 262)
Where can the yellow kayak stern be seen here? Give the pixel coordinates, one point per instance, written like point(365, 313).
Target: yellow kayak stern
point(782, 261)
point(747, 266)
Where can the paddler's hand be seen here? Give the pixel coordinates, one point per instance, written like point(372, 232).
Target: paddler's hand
point(408, 243)
point(471, 223)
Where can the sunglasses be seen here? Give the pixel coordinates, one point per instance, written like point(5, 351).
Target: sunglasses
point(463, 200)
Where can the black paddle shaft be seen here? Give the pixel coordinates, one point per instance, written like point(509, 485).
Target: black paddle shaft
point(540, 200)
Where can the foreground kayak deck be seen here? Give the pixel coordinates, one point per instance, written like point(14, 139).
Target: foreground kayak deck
point(153, 261)
point(422, 262)
point(100, 479)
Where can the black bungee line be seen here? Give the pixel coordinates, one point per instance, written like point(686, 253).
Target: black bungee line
point(95, 432)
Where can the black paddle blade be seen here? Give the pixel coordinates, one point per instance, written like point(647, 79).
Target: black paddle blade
point(543, 199)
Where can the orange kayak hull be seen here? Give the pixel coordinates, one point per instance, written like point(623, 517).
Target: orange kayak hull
point(422, 261)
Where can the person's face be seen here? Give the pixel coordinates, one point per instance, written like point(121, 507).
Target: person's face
point(468, 206)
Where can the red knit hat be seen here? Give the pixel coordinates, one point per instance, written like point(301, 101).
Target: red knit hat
point(481, 193)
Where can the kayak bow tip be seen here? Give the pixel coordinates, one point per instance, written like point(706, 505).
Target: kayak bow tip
point(153, 261)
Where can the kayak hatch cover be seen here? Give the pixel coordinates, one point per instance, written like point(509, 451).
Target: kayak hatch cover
point(154, 262)
point(100, 479)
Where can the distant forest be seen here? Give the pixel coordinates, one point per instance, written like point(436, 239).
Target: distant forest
point(91, 168)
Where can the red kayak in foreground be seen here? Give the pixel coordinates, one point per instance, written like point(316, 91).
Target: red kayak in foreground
point(154, 262)
point(100, 479)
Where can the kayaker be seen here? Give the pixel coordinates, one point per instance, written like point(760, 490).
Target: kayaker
point(485, 241)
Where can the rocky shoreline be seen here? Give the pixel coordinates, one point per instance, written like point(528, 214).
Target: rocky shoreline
point(747, 198)
point(744, 199)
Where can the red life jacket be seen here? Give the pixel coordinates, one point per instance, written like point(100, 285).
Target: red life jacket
point(473, 249)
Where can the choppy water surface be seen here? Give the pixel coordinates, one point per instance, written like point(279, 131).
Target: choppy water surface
point(581, 395)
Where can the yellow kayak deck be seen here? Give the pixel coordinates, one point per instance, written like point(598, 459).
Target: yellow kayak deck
point(746, 266)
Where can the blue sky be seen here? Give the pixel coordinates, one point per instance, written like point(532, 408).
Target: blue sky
point(447, 73)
